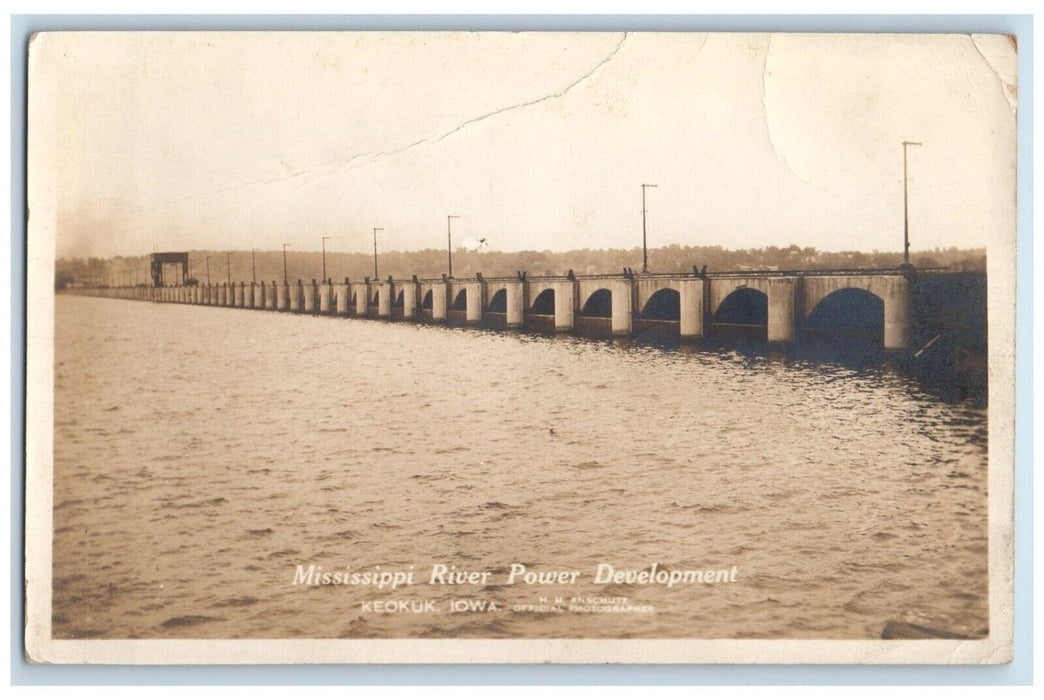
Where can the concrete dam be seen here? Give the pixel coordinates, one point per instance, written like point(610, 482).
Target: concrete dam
point(778, 307)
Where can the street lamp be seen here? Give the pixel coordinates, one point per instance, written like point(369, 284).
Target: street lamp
point(208, 270)
point(284, 262)
point(253, 266)
point(325, 239)
point(228, 262)
point(375, 230)
point(906, 207)
point(645, 250)
point(449, 241)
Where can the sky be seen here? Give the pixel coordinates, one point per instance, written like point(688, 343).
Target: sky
point(535, 140)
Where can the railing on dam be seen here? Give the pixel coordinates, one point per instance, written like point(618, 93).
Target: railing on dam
point(778, 306)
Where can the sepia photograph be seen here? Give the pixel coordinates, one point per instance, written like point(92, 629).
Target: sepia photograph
point(572, 347)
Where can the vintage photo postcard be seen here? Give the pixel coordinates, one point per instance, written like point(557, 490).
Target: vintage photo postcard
point(520, 347)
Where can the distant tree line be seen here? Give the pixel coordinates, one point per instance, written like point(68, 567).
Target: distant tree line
point(267, 266)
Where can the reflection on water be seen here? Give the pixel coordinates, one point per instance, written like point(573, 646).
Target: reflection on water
point(201, 454)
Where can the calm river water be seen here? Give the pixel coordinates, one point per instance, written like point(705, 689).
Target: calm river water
point(203, 454)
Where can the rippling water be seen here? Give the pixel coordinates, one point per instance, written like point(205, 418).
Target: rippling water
point(202, 454)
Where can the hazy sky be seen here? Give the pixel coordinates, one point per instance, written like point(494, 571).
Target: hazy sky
point(537, 140)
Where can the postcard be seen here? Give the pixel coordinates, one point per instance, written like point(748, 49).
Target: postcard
point(458, 347)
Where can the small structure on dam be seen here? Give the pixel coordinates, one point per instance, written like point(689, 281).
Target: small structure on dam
point(157, 261)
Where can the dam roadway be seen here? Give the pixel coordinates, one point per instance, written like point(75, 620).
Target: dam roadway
point(777, 306)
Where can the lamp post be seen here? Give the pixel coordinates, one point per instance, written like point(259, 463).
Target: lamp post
point(284, 262)
point(325, 239)
point(208, 270)
point(645, 250)
point(449, 241)
point(228, 262)
point(375, 230)
point(906, 206)
point(253, 266)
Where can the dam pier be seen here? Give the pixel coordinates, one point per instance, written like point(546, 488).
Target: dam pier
point(776, 306)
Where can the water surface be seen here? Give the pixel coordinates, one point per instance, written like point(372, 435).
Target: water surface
point(203, 453)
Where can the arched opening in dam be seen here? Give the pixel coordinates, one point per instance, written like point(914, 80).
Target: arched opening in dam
point(598, 305)
point(852, 317)
point(664, 305)
point(498, 302)
point(596, 314)
point(460, 302)
point(398, 304)
point(425, 312)
point(660, 318)
point(376, 299)
point(544, 304)
point(743, 315)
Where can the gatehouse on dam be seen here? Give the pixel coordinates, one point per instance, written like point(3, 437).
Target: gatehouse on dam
point(778, 307)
